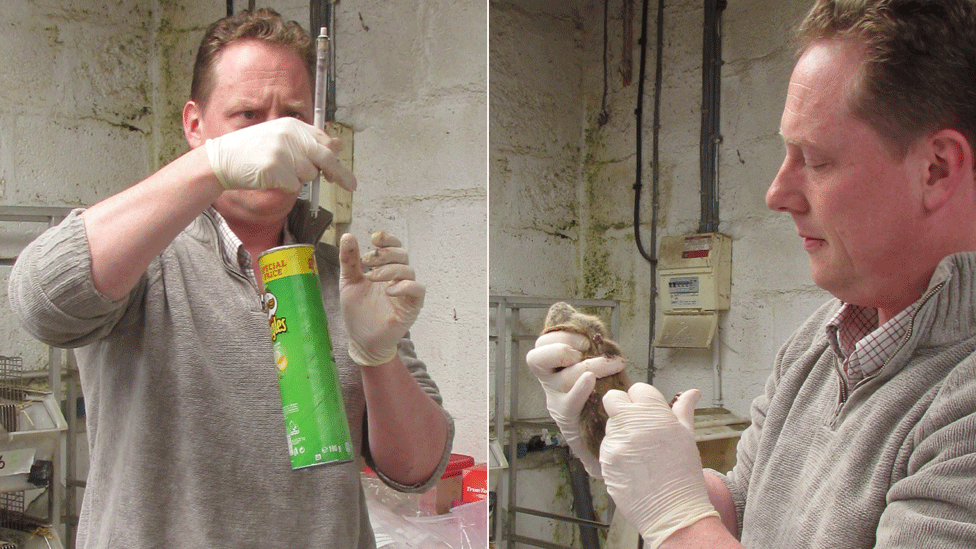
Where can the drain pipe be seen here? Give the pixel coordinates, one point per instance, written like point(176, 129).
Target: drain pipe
point(711, 136)
point(579, 482)
point(649, 254)
point(717, 400)
point(711, 139)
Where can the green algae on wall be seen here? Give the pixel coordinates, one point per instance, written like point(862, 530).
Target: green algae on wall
point(176, 41)
point(598, 278)
point(564, 493)
point(174, 91)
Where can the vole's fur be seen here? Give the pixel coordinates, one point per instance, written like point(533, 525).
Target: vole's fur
point(593, 417)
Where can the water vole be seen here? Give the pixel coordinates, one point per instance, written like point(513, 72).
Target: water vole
point(593, 417)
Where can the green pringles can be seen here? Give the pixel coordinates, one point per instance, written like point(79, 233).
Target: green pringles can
point(311, 398)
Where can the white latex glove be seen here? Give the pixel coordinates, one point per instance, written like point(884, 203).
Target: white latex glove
point(380, 305)
point(568, 381)
point(277, 154)
point(651, 466)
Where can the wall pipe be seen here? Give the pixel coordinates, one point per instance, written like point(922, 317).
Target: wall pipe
point(650, 256)
point(711, 136)
point(230, 6)
point(579, 482)
point(711, 139)
point(717, 400)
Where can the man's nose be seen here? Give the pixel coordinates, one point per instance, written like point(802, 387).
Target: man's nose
point(785, 192)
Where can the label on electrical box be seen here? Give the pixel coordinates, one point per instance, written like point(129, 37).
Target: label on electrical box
point(696, 246)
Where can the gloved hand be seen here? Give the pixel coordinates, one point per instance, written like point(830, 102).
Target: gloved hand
point(277, 154)
point(651, 466)
point(568, 381)
point(380, 305)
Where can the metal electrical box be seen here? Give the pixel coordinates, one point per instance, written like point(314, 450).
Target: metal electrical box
point(694, 281)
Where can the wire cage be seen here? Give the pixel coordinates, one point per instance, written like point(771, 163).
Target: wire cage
point(12, 391)
point(12, 511)
point(11, 370)
point(31, 424)
point(14, 522)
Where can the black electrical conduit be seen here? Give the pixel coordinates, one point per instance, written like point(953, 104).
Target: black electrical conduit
point(230, 7)
point(711, 137)
point(582, 499)
point(651, 256)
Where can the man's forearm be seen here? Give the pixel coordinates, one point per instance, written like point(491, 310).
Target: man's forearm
point(710, 532)
point(407, 429)
point(721, 499)
point(707, 533)
point(126, 231)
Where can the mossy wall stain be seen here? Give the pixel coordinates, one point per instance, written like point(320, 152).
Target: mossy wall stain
point(665, 189)
point(175, 47)
point(54, 37)
point(598, 278)
point(565, 533)
point(157, 97)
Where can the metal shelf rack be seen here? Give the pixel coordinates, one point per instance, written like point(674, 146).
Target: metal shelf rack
point(57, 365)
point(505, 336)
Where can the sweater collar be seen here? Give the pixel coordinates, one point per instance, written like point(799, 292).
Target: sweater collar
point(305, 228)
point(948, 312)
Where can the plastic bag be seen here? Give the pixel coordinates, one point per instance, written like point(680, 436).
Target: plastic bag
point(397, 526)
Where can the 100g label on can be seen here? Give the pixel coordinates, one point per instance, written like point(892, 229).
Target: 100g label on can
point(311, 398)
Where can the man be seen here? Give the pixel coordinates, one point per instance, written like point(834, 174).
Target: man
point(157, 289)
point(866, 433)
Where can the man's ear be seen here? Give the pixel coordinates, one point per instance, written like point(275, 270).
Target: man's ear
point(950, 161)
point(192, 118)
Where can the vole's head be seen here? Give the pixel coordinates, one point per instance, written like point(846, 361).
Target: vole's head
point(563, 316)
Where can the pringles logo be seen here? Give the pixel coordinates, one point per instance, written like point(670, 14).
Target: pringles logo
point(275, 324)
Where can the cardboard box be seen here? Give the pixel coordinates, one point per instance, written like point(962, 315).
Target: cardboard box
point(447, 492)
point(474, 483)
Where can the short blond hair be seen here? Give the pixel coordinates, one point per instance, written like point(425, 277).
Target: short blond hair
point(919, 72)
point(262, 24)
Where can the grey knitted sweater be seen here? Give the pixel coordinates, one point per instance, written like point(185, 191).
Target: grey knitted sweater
point(892, 463)
point(186, 432)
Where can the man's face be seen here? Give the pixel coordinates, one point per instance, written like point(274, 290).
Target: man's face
point(855, 204)
point(254, 82)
